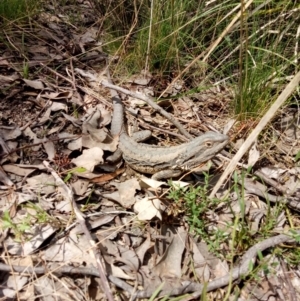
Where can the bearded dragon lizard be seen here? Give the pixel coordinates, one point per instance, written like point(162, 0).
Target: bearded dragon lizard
point(163, 162)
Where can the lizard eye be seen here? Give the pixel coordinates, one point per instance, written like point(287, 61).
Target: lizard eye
point(208, 144)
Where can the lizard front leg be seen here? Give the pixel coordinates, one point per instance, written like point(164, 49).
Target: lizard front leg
point(167, 174)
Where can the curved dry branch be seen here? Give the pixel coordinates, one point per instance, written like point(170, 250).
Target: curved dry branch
point(242, 270)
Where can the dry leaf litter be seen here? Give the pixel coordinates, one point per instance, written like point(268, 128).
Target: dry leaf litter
point(62, 116)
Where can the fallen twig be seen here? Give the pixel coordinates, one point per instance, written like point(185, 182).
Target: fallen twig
point(150, 102)
point(242, 270)
point(259, 189)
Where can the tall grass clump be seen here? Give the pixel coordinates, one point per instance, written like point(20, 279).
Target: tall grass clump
point(18, 10)
point(252, 48)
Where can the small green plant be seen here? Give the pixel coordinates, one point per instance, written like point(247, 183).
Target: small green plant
point(72, 171)
point(263, 264)
point(215, 239)
point(295, 235)
point(271, 219)
point(40, 216)
point(25, 70)
point(195, 204)
point(17, 228)
point(156, 292)
point(35, 215)
point(290, 255)
point(297, 157)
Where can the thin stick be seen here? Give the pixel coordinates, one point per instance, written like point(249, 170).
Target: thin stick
point(151, 103)
point(80, 219)
point(149, 37)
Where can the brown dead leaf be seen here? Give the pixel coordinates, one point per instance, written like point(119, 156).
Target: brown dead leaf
point(89, 158)
point(289, 140)
point(108, 248)
point(221, 269)
point(148, 182)
point(170, 264)
point(256, 215)
point(80, 186)
point(42, 233)
point(75, 121)
point(143, 248)
point(95, 138)
point(89, 35)
point(72, 250)
point(118, 272)
point(46, 115)
point(142, 79)
point(15, 283)
point(254, 155)
point(29, 133)
point(4, 178)
point(20, 171)
point(75, 144)
point(58, 106)
point(199, 263)
point(95, 135)
point(7, 79)
point(273, 172)
point(4, 62)
point(125, 193)
point(42, 184)
point(46, 288)
point(10, 132)
point(58, 96)
point(49, 18)
point(50, 149)
point(38, 49)
point(35, 84)
point(107, 176)
point(62, 203)
point(129, 258)
point(99, 221)
point(148, 209)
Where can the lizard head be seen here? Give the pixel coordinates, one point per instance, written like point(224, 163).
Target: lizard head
point(202, 149)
